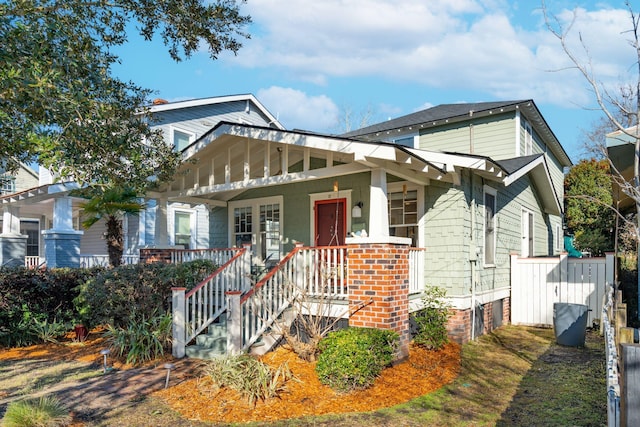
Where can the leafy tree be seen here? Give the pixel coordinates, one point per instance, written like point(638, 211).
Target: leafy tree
point(588, 200)
point(60, 104)
point(110, 203)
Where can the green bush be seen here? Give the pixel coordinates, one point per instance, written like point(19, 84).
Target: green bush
point(248, 376)
point(142, 340)
point(109, 297)
point(32, 297)
point(46, 411)
point(352, 358)
point(431, 321)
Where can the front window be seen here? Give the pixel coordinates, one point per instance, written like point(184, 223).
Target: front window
point(7, 184)
point(403, 214)
point(489, 226)
point(31, 229)
point(182, 229)
point(259, 223)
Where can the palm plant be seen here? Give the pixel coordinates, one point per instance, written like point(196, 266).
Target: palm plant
point(110, 203)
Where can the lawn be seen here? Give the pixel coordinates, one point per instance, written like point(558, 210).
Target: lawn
point(514, 376)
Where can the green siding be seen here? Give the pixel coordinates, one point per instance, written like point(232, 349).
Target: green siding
point(446, 238)
point(296, 210)
point(492, 136)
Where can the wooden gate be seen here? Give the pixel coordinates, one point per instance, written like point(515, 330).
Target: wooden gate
point(538, 283)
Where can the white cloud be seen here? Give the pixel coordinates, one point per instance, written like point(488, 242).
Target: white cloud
point(489, 46)
point(296, 109)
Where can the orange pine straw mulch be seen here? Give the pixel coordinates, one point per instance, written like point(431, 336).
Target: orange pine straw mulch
point(423, 372)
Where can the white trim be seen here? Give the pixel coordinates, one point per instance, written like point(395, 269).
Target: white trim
point(193, 229)
point(559, 246)
point(518, 130)
point(328, 195)
point(463, 302)
point(215, 100)
point(492, 191)
point(172, 133)
point(528, 138)
point(395, 187)
point(525, 226)
point(255, 218)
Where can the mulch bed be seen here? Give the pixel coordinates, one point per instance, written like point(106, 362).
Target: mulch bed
point(424, 371)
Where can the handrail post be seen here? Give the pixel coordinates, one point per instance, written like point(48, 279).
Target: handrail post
point(234, 322)
point(245, 268)
point(179, 330)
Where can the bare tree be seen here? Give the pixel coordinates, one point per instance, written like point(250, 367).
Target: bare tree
point(621, 109)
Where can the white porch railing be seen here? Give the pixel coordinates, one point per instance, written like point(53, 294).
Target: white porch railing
point(217, 256)
point(196, 310)
point(313, 271)
point(89, 261)
point(33, 261)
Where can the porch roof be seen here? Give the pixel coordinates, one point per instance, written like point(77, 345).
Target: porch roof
point(233, 157)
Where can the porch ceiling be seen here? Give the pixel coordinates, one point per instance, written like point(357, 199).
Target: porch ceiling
point(233, 158)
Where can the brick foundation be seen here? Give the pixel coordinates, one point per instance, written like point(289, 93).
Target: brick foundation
point(150, 255)
point(378, 275)
point(460, 322)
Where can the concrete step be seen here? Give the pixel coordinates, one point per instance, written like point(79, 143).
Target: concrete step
point(212, 342)
point(217, 330)
point(199, 352)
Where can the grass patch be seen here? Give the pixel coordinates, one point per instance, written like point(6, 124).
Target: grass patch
point(513, 376)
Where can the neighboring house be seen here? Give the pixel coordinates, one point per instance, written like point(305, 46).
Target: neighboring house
point(23, 179)
point(470, 183)
point(621, 152)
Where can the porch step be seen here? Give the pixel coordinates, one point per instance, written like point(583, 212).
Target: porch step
point(271, 338)
point(210, 345)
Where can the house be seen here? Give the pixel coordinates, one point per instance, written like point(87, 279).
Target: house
point(29, 227)
point(469, 183)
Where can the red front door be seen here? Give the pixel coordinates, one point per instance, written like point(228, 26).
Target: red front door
point(330, 222)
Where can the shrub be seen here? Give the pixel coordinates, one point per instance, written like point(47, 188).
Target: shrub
point(45, 296)
point(109, 297)
point(47, 331)
point(142, 340)
point(352, 358)
point(253, 379)
point(431, 321)
point(46, 411)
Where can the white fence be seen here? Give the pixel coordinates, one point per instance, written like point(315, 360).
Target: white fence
point(538, 283)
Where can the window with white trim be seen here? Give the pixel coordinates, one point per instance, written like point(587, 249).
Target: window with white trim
point(403, 214)
point(490, 196)
point(31, 229)
point(258, 222)
point(182, 229)
point(527, 227)
point(528, 139)
point(181, 139)
point(7, 184)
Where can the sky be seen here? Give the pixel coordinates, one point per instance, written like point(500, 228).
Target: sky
point(312, 63)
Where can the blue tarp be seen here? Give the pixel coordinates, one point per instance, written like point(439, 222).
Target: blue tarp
point(571, 250)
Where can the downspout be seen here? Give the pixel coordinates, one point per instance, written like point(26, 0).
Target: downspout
point(473, 257)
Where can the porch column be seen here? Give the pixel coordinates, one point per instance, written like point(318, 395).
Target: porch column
point(378, 281)
point(62, 242)
point(13, 245)
point(161, 235)
point(379, 211)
